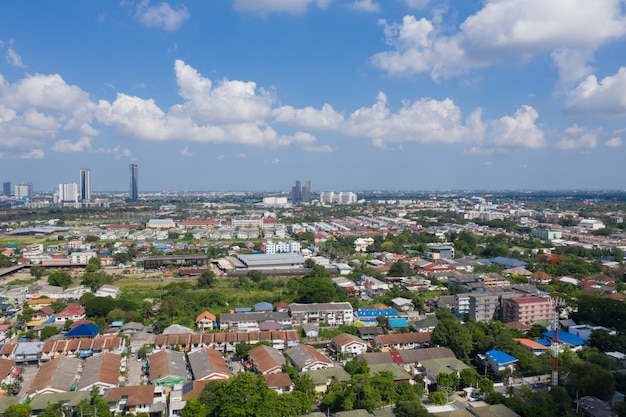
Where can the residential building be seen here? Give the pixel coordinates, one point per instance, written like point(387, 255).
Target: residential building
point(102, 371)
point(84, 189)
point(57, 375)
point(66, 193)
point(205, 321)
point(307, 358)
point(546, 234)
point(242, 322)
point(401, 341)
point(133, 194)
point(72, 312)
point(498, 361)
point(348, 344)
point(282, 247)
point(208, 365)
point(333, 313)
point(443, 252)
point(266, 360)
point(135, 399)
point(527, 310)
point(592, 224)
point(167, 368)
point(280, 382)
point(24, 191)
point(484, 306)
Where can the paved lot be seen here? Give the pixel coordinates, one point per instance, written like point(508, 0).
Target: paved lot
point(134, 370)
point(28, 376)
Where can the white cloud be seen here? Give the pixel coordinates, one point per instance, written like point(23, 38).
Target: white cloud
point(162, 15)
point(67, 146)
point(321, 148)
point(569, 29)
point(185, 152)
point(576, 137)
point(275, 161)
point(417, 4)
point(219, 157)
point(14, 59)
point(613, 143)
point(604, 98)
point(309, 117)
point(369, 6)
point(518, 130)
point(242, 156)
point(33, 154)
point(263, 7)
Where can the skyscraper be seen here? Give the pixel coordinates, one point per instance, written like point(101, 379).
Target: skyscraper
point(6, 188)
point(305, 196)
point(296, 192)
point(134, 179)
point(67, 193)
point(85, 184)
point(301, 193)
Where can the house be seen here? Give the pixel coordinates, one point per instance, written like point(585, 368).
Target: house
point(263, 306)
point(135, 399)
point(324, 378)
point(69, 401)
point(426, 325)
point(307, 358)
point(333, 313)
point(208, 365)
point(266, 360)
point(279, 382)
point(311, 330)
point(102, 371)
point(369, 333)
point(56, 375)
point(348, 344)
point(27, 352)
point(249, 321)
point(594, 407)
point(83, 330)
point(498, 361)
point(400, 341)
point(167, 368)
point(72, 312)
point(7, 368)
point(205, 321)
point(402, 304)
point(108, 290)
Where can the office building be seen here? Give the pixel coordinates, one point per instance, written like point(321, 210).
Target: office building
point(85, 184)
point(24, 191)
point(301, 193)
point(6, 188)
point(134, 183)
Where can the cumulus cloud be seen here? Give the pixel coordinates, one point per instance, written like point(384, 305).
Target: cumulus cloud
point(14, 59)
point(322, 148)
point(263, 7)
point(518, 130)
point(570, 30)
point(369, 6)
point(33, 154)
point(603, 98)
point(67, 146)
point(185, 152)
point(613, 143)
point(161, 16)
point(219, 157)
point(309, 117)
point(576, 137)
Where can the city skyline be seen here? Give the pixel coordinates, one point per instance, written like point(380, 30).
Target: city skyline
point(352, 94)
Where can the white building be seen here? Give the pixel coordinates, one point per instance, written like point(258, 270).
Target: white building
point(79, 258)
point(66, 193)
point(343, 197)
point(282, 247)
point(592, 224)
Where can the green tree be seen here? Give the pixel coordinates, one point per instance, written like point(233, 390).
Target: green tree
point(450, 380)
point(193, 408)
point(590, 379)
point(400, 268)
point(95, 405)
point(48, 331)
point(256, 276)
point(17, 410)
point(450, 332)
point(60, 279)
point(37, 271)
point(412, 408)
point(439, 398)
point(468, 377)
point(206, 279)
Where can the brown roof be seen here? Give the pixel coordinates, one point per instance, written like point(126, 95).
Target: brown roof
point(401, 338)
point(137, 394)
point(345, 339)
point(205, 315)
point(6, 366)
point(615, 296)
point(59, 374)
point(167, 362)
point(194, 388)
point(8, 348)
point(104, 368)
point(266, 359)
point(278, 380)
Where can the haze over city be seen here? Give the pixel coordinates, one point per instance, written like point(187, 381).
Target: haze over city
point(353, 95)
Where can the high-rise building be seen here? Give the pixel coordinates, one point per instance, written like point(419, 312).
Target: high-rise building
point(306, 192)
point(85, 184)
point(134, 183)
point(24, 191)
point(6, 188)
point(296, 192)
point(67, 193)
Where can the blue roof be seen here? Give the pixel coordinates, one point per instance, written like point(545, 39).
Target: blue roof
point(397, 322)
point(370, 312)
point(243, 310)
point(544, 342)
point(500, 358)
point(263, 306)
point(508, 262)
point(117, 323)
point(566, 337)
point(83, 330)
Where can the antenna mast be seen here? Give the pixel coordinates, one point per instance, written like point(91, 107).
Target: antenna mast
point(555, 343)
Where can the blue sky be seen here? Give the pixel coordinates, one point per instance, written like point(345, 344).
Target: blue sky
point(351, 94)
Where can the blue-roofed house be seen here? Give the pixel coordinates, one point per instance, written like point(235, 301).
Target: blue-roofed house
point(83, 330)
point(243, 310)
point(263, 306)
point(498, 361)
point(395, 323)
point(368, 316)
point(507, 262)
point(566, 338)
